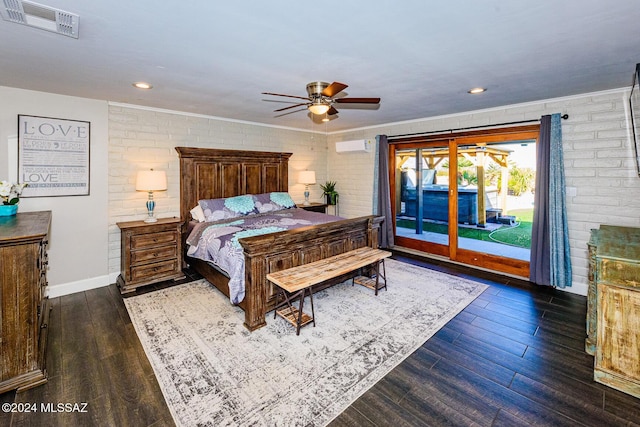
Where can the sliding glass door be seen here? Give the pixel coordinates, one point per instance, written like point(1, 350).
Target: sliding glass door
point(468, 198)
point(422, 197)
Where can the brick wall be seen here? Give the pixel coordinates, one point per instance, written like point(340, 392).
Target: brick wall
point(144, 138)
point(597, 144)
point(598, 154)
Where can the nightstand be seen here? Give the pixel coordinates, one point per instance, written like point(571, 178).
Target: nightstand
point(149, 253)
point(314, 207)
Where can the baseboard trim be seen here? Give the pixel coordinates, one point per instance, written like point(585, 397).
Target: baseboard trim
point(79, 286)
point(577, 288)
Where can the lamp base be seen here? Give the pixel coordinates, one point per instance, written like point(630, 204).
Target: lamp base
point(151, 204)
point(306, 196)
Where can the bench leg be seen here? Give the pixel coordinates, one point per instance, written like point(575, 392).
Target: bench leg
point(279, 303)
point(299, 324)
point(313, 313)
point(301, 305)
point(379, 274)
point(297, 320)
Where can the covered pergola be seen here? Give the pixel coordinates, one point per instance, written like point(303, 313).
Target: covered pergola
point(478, 155)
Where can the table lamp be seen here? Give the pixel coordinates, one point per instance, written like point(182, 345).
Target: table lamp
point(151, 181)
point(307, 178)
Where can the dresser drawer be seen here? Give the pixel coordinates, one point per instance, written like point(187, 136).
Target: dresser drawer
point(619, 272)
point(156, 270)
point(160, 253)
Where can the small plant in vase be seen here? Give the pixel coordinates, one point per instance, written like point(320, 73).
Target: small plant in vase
point(10, 196)
point(329, 190)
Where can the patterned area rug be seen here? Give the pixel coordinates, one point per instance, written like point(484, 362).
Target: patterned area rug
point(214, 372)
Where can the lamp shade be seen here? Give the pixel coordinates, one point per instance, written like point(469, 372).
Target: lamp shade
point(151, 181)
point(307, 177)
point(318, 108)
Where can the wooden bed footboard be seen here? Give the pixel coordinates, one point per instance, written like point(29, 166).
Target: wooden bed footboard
point(273, 252)
point(207, 173)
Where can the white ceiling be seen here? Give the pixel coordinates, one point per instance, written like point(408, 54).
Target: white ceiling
point(421, 57)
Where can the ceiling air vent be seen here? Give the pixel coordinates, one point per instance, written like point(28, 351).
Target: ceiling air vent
point(40, 16)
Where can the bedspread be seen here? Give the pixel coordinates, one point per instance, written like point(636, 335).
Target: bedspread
point(217, 242)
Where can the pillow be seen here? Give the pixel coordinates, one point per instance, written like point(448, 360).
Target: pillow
point(230, 207)
point(270, 202)
point(198, 214)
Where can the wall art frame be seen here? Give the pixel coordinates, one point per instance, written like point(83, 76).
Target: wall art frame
point(53, 156)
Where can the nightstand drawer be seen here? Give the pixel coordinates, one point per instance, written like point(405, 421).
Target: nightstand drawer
point(149, 240)
point(143, 256)
point(156, 269)
point(314, 207)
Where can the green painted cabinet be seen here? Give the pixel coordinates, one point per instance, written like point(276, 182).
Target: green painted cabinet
point(613, 310)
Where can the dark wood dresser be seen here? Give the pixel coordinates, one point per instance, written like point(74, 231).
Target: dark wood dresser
point(149, 253)
point(613, 307)
point(24, 308)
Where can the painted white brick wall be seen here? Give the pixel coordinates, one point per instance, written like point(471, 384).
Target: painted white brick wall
point(141, 139)
point(598, 154)
point(597, 143)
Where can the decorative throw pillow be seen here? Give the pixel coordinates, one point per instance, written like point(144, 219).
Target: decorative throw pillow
point(243, 205)
point(198, 214)
point(230, 207)
point(271, 202)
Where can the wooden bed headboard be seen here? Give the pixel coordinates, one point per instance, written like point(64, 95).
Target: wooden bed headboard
point(207, 173)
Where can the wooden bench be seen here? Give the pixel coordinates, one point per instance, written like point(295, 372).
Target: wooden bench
point(298, 281)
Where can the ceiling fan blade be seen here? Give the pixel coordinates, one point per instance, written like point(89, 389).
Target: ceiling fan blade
point(290, 106)
point(281, 101)
point(290, 112)
point(357, 100)
point(333, 89)
point(332, 111)
point(289, 96)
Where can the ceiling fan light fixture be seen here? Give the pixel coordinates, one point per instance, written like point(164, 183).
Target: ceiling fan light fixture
point(318, 108)
point(142, 85)
point(320, 99)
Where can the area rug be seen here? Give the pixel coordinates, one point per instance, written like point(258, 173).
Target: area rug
point(214, 372)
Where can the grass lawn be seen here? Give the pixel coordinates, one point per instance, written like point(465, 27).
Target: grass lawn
point(519, 236)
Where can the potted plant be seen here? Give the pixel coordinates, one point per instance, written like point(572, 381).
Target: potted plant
point(10, 196)
point(329, 190)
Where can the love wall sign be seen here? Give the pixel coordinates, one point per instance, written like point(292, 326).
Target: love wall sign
point(53, 156)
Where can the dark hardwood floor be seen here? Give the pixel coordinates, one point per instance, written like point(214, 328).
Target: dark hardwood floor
point(515, 356)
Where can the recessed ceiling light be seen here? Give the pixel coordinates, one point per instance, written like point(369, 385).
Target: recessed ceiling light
point(477, 90)
point(142, 85)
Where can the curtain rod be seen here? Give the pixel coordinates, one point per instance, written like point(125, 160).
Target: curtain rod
point(564, 116)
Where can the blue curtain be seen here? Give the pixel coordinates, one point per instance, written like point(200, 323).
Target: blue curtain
point(550, 262)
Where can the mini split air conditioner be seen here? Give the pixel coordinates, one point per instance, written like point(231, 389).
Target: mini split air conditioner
point(361, 145)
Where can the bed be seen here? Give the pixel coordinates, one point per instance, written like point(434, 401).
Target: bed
point(214, 173)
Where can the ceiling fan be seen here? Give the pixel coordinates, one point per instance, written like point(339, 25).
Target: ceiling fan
point(322, 97)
